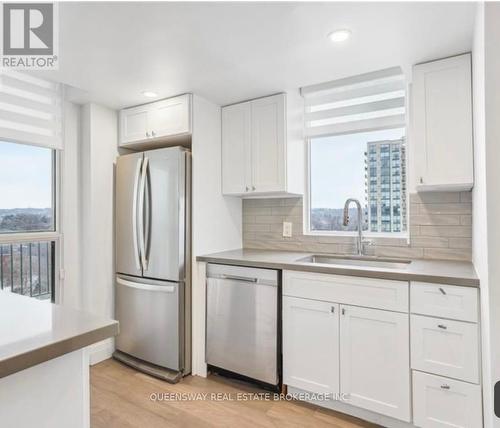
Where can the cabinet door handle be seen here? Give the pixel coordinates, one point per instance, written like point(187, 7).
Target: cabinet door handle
point(445, 386)
point(442, 291)
point(421, 180)
point(147, 134)
point(253, 188)
point(343, 311)
point(332, 309)
point(153, 133)
point(442, 326)
point(247, 189)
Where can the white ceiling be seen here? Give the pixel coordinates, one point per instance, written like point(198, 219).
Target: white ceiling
point(229, 52)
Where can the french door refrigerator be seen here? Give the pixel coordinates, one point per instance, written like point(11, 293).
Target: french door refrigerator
point(152, 289)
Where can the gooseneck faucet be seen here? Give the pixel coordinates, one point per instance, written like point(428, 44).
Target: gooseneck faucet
point(360, 222)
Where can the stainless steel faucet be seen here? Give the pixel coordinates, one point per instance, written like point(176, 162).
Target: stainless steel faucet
point(360, 222)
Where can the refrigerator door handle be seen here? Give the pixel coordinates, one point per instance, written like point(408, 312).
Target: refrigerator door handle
point(146, 287)
point(147, 227)
point(134, 214)
point(142, 191)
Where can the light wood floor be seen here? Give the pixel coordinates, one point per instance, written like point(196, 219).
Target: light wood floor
point(121, 398)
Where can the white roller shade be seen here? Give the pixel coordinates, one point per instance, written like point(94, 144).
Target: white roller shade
point(368, 102)
point(30, 110)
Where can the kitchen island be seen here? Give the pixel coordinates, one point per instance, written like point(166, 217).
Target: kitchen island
point(44, 366)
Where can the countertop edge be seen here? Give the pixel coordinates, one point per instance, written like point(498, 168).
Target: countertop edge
point(48, 352)
point(397, 275)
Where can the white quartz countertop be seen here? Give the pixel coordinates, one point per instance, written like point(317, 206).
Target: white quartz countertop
point(437, 271)
point(34, 331)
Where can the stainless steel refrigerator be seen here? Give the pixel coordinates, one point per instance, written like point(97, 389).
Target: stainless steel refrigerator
point(153, 290)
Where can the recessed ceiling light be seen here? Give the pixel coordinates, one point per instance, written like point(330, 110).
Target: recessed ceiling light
point(149, 94)
point(339, 35)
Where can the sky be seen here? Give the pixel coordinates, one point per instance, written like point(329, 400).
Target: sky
point(25, 176)
point(338, 167)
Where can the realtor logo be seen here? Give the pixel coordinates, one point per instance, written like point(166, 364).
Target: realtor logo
point(29, 36)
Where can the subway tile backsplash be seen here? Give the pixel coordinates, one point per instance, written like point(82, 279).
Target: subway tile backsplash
point(440, 228)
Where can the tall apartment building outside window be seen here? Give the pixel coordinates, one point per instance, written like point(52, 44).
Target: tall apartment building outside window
point(370, 167)
point(385, 189)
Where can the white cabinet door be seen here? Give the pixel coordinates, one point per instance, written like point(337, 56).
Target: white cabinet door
point(236, 151)
point(268, 144)
point(442, 124)
point(311, 345)
point(134, 124)
point(374, 360)
point(170, 117)
point(445, 347)
point(444, 403)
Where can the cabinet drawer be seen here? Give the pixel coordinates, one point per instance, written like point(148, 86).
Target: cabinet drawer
point(444, 347)
point(446, 301)
point(442, 403)
point(352, 290)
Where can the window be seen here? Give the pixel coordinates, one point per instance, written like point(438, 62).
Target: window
point(27, 209)
point(26, 188)
point(352, 166)
point(355, 128)
point(30, 137)
point(27, 218)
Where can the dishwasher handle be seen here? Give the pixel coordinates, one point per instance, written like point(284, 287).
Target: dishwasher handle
point(247, 279)
point(239, 278)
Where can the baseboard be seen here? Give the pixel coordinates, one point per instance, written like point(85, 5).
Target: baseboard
point(101, 351)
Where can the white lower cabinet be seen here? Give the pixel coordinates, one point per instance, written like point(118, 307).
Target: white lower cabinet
point(374, 360)
point(311, 345)
point(354, 336)
point(440, 402)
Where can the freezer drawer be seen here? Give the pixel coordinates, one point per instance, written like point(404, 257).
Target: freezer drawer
point(242, 321)
point(149, 315)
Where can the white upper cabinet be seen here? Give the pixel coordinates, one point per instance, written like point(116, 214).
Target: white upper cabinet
point(236, 171)
point(134, 124)
point(263, 147)
point(442, 125)
point(268, 144)
point(150, 125)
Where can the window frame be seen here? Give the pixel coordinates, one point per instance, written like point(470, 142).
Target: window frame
point(340, 233)
point(52, 236)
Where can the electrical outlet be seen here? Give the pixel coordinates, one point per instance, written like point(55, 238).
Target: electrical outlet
point(287, 229)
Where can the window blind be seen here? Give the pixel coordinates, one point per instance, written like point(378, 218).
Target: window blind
point(30, 110)
point(368, 102)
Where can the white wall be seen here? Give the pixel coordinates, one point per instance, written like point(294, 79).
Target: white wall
point(479, 217)
point(216, 220)
point(486, 193)
point(492, 156)
point(98, 152)
point(70, 290)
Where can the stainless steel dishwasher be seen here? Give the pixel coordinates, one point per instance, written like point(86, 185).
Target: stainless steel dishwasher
point(242, 322)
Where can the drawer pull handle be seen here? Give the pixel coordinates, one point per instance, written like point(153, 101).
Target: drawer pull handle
point(442, 291)
point(445, 386)
point(332, 310)
point(442, 326)
point(343, 311)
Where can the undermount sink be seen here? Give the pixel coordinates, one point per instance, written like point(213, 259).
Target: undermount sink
point(361, 261)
